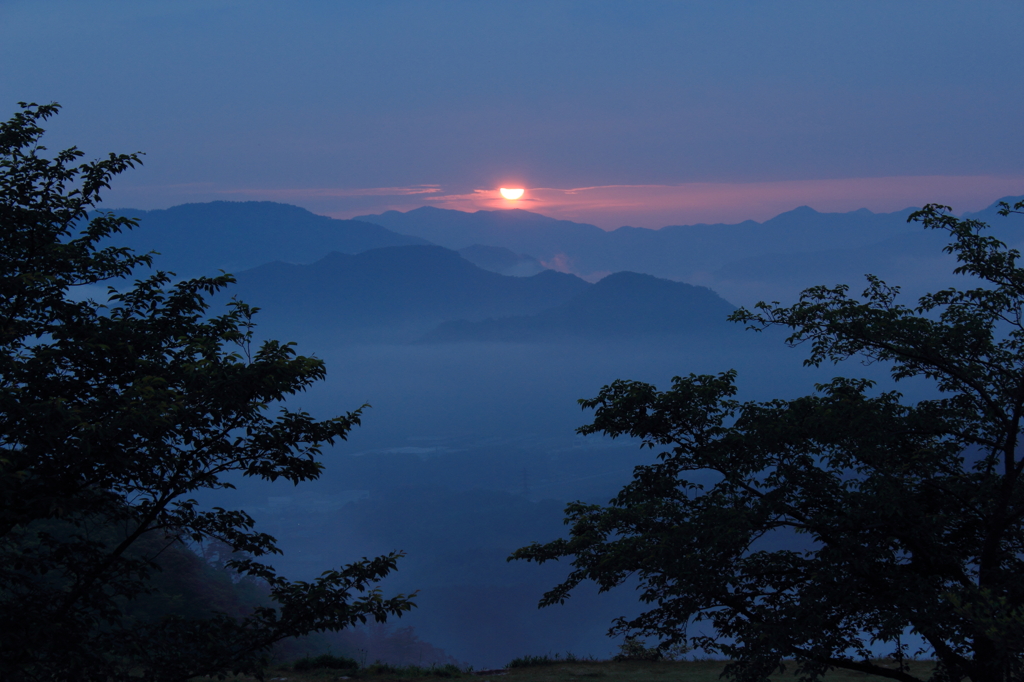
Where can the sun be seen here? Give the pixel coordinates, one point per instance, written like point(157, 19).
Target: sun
point(511, 194)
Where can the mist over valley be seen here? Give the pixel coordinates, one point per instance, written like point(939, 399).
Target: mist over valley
point(340, 336)
point(469, 449)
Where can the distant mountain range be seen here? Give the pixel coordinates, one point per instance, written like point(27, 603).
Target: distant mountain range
point(745, 262)
point(201, 239)
point(405, 293)
point(673, 251)
point(392, 294)
point(354, 279)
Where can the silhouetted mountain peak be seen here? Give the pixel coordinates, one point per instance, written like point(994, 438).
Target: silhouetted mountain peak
point(200, 239)
point(520, 215)
point(646, 294)
point(800, 213)
point(990, 214)
point(634, 280)
point(433, 212)
point(622, 305)
point(262, 210)
point(556, 276)
point(514, 229)
point(392, 294)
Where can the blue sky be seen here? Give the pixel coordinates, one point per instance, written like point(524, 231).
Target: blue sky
point(612, 112)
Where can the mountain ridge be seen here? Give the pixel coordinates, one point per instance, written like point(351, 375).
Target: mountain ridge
point(204, 238)
point(672, 252)
point(620, 306)
point(744, 262)
point(853, 243)
point(392, 294)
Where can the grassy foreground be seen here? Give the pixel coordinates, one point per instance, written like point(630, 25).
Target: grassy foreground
point(564, 671)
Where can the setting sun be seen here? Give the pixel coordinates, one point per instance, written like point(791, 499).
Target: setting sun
point(511, 194)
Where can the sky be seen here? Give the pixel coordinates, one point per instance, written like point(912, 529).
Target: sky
point(614, 113)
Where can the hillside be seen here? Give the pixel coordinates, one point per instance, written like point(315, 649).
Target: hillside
point(674, 252)
point(620, 306)
point(201, 239)
point(744, 262)
point(392, 294)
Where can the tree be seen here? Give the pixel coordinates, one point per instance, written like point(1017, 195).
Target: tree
point(111, 415)
point(839, 520)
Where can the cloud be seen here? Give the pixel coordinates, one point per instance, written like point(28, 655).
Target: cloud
point(559, 262)
point(300, 193)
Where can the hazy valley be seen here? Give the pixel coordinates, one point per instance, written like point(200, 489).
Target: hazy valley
point(469, 449)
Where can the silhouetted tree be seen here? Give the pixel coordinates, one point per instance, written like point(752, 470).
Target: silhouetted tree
point(111, 415)
point(840, 520)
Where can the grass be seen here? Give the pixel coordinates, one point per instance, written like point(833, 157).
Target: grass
point(555, 669)
point(654, 671)
point(546, 659)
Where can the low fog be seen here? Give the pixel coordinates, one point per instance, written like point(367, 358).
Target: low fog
point(469, 449)
point(468, 452)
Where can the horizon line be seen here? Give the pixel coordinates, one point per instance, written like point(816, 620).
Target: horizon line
point(651, 206)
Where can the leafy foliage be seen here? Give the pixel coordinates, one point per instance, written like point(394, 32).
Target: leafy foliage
point(840, 520)
point(191, 586)
point(352, 668)
point(530, 661)
point(634, 649)
point(110, 417)
point(325, 661)
point(379, 669)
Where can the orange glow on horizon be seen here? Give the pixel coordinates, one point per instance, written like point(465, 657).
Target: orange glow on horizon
point(652, 206)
